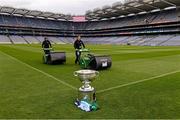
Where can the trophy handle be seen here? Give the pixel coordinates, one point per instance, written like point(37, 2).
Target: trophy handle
point(97, 73)
point(75, 74)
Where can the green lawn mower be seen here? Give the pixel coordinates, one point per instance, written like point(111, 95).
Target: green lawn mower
point(95, 62)
point(52, 57)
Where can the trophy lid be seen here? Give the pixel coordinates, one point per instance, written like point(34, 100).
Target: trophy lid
point(86, 74)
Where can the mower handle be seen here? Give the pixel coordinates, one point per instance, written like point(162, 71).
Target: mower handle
point(47, 48)
point(83, 50)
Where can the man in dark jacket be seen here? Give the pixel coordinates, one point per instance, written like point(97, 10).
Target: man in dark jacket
point(78, 44)
point(46, 45)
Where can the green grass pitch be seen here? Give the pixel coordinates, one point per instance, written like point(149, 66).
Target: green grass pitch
point(144, 82)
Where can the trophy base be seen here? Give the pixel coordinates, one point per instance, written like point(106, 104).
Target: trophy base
point(87, 99)
point(86, 106)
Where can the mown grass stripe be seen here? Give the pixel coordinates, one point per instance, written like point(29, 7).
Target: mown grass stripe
point(108, 89)
point(40, 71)
point(136, 82)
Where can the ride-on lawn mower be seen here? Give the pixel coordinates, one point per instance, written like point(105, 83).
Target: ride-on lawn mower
point(52, 57)
point(95, 62)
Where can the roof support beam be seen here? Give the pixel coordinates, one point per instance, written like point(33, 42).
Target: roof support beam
point(168, 2)
point(149, 5)
point(1, 9)
point(136, 8)
point(13, 11)
point(123, 9)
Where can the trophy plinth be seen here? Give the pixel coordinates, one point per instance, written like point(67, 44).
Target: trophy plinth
point(86, 92)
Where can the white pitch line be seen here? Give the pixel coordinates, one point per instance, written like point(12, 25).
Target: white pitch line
point(40, 71)
point(136, 82)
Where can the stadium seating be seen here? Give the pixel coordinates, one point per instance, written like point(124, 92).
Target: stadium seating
point(158, 40)
point(153, 40)
point(175, 41)
point(163, 16)
point(17, 39)
point(31, 39)
point(4, 40)
point(71, 27)
point(56, 40)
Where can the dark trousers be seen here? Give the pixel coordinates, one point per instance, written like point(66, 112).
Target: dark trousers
point(78, 54)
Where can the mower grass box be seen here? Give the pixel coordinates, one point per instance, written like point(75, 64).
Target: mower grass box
point(96, 62)
point(52, 57)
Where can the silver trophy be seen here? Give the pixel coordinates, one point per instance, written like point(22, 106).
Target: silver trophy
point(86, 92)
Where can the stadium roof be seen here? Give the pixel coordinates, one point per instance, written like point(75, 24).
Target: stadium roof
point(130, 7)
point(33, 13)
point(118, 9)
